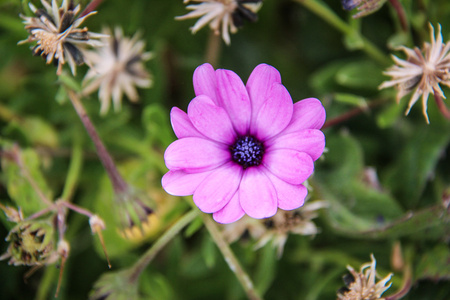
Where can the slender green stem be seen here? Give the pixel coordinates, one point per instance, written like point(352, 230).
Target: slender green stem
point(148, 256)
point(75, 166)
point(230, 258)
point(323, 11)
point(47, 282)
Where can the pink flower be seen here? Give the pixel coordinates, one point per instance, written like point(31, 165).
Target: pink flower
point(243, 149)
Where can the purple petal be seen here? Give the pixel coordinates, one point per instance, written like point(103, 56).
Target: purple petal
point(205, 82)
point(259, 84)
point(180, 183)
point(211, 120)
point(289, 165)
point(234, 98)
point(257, 194)
point(195, 155)
point(275, 114)
point(310, 141)
point(308, 114)
point(182, 125)
point(290, 196)
point(231, 212)
point(216, 190)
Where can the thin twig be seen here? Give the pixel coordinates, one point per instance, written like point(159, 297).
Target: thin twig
point(351, 113)
point(90, 7)
point(441, 105)
point(400, 13)
point(118, 183)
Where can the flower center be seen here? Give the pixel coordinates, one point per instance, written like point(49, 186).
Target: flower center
point(247, 151)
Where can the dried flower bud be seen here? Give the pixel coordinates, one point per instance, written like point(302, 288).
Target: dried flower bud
point(222, 15)
point(397, 261)
point(57, 34)
point(12, 214)
point(97, 225)
point(364, 7)
point(31, 243)
point(362, 286)
point(136, 215)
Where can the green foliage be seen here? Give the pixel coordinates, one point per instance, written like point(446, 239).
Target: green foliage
point(19, 188)
point(384, 175)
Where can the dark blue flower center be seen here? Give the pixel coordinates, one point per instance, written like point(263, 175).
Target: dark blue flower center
point(247, 151)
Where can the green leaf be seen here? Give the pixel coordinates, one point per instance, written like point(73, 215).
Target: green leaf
point(266, 272)
point(19, 188)
point(416, 162)
point(434, 264)
point(39, 132)
point(355, 204)
point(68, 80)
point(156, 121)
point(389, 115)
point(428, 224)
point(351, 99)
point(324, 80)
point(362, 74)
point(195, 226)
point(156, 286)
point(209, 251)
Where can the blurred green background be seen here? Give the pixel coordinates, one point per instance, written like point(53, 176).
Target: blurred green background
point(315, 59)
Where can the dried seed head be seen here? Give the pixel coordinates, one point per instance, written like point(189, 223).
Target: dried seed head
point(423, 71)
point(362, 286)
point(57, 36)
point(31, 243)
point(222, 15)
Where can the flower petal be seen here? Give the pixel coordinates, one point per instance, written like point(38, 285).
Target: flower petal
point(234, 98)
point(257, 194)
point(308, 114)
point(195, 155)
point(290, 196)
point(231, 212)
point(259, 84)
point(211, 120)
point(216, 190)
point(205, 82)
point(275, 114)
point(180, 183)
point(310, 141)
point(289, 165)
point(182, 125)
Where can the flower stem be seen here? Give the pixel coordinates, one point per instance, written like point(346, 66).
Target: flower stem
point(400, 13)
point(90, 7)
point(118, 183)
point(148, 256)
point(350, 114)
point(230, 258)
point(323, 11)
point(441, 105)
point(213, 48)
point(74, 169)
